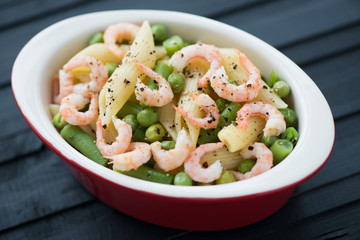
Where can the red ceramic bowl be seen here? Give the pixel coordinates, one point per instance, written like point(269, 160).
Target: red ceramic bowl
point(196, 208)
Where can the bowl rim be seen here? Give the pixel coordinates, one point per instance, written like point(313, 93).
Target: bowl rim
point(313, 105)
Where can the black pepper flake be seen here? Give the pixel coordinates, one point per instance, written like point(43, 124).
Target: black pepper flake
point(104, 126)
point(249, 85)
point(109, 89)
point(250, 148)
point(235, 66)
point(225, 118)
point(265, 87)
point(126, 81)
point(158, 130)
point(182, 55)
point(205, 165)
point(71, 138)
point(142, 89)
point(199, 89)
point(191, 76)
point(235, 123)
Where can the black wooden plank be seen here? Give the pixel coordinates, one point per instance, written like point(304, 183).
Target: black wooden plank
point(92, 220)
point(36, 186)
point(282, 22)
point(25, 10)
point(13, 39)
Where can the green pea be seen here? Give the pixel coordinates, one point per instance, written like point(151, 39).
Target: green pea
point(177, 82)
point(273, 78)
point(226, 117)
point(159, 32)
point(281, 149)
point(96, 38)
point(221, 104)
point(58, 121)
point(147, 117)
point(181, 178)
point(281, 88)
point(233, 82)
point(167, 145)
point(226, 177)
point(132, 121)
point(139, 134)
point(291, 134)
point(173, 44)
point(269, 140)
point(289, 116)
point(155, 132)
point(246, 165)
point(145, 173)
point(111, 68)
point(129, 108)
point(83, 142)
point(164, 69)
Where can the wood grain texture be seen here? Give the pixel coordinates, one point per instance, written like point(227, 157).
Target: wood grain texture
point(39, 199)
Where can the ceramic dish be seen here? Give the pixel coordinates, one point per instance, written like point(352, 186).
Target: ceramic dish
point(215, 207)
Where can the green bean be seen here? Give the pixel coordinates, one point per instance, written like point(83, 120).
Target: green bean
point(269, 140)
point(281, 88)
point(131, 120)
point(226, 117)
point(58, 121)
point(226, 177)
point(149, 174)
point(159, 32)
point(290, 134)
point(96, 38)
point(83, 142)
point(129, 108)
point(139, 134)
point(173, 44)
point(164, 69)
point(246, 165)
point(155, 132)
point(111, 68)
point(167, 145)
point(181, 178)
point(272, 79)
point(147, 117)
point(221, 104)
point(281, 149)
point(289, 116)
point(177, 82)
point(150, 163)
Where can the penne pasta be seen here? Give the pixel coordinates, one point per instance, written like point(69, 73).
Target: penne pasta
point(229, 160)
point(236, 138)
point(167, 119)
point(120, 87)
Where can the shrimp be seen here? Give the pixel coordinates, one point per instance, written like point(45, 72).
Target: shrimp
point(263, 163)
point(169, 160)
point(195, 171)
point(156, 98)
point(118, 32)
point(244, 92)
point(98, 75)
point(208, 105)
point(137, 154)
point(208, 52)
point(65, 86)
point(122, 141)
point(70, 105)
point(275, 124)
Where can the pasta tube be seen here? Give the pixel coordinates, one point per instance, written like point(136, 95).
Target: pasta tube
point(236, 138)
point(120, 87)
point(229, 160)
point(167, 119)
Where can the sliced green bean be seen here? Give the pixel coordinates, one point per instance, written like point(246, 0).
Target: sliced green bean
point(291, 134)
point(129, 108)
point(289, 116)
point(269, 140)
point(131, 120)
point(221, 104)
point(149, 174)
point(272, 79)
point(177, 82)
point(164, 69)
point(83, 142)
point(147, 117)
point(281, 88)
point(139, 134)
point(155, 132)
point(159, 32)
point(173, 44)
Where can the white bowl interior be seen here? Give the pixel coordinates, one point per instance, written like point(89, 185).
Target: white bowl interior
point(46, 53)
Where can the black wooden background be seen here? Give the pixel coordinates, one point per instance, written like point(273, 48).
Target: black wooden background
point(40, 199)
